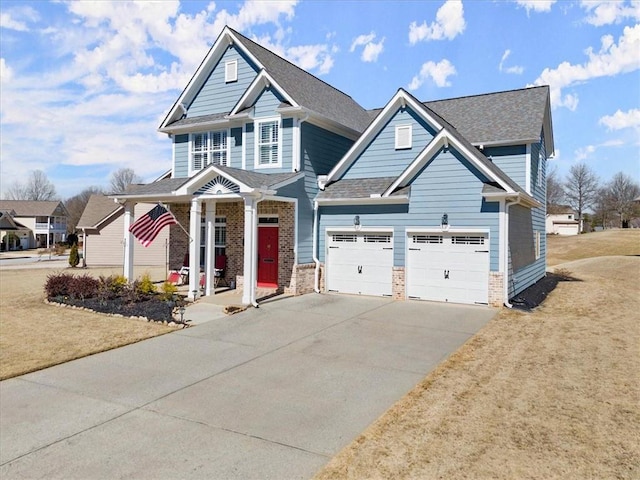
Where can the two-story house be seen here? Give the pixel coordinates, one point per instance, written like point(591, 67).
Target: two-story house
point(299, 188)
point(45, 220)
point(562, 220)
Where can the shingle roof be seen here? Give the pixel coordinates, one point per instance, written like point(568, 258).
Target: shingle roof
point(161, 187)
point(30, 208)
point(202, 119)
point(8, 223)
point(359, 188)
point(256, 179)
point(307, 90)
point(500, 117)
point(97, 209)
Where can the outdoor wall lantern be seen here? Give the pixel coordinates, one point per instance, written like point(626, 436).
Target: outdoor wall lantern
point(356, 221)
point(444, 222)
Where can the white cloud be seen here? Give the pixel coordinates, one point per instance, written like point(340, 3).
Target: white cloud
point(516, 69)
point(606, 12)
point(587, 152)
point(17, 18)
point(449, 23)
point(621, 120)
point(371, 50)
point(612, 59)
point(308, 57)
point(536, 5)
point(437, 72)
point(6, 73)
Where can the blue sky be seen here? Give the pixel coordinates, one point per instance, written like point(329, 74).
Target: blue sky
point(85, 85)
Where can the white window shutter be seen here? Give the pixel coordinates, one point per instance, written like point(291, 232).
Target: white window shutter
point(403, 136)
point(231, 71)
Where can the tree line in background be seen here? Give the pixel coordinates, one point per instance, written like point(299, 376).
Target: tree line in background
point(38, 187)
point(615, 203)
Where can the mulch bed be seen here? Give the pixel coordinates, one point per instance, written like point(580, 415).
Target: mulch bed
point(155, 310)
point(534, 295)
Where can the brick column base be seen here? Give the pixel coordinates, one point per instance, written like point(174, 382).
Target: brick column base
point(398, 287)
point(496, 289)
point(302, 279)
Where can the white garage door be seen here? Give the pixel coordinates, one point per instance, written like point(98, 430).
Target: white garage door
point(448, 267)
point(360, 263)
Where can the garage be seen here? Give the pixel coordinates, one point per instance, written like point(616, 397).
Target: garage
point(448, 267)
point(360, 263)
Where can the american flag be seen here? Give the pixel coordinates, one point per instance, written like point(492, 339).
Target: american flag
point(147, 227)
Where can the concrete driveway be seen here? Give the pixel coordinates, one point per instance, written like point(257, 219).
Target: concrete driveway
point(272, 392)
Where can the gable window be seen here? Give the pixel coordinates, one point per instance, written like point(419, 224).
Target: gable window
point(267, 143)
point(231, 71)
point(208, 148)
point(403, 136)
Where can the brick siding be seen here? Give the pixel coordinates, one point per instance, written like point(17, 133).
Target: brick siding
point(496, 289)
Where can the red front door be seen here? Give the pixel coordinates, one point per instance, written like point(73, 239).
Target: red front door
point(268, 256)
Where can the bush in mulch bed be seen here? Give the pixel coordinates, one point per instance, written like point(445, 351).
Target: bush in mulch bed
point(114, 295)
point(533, 296)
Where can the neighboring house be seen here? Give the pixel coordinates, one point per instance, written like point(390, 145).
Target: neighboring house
point(302, 189)
point(101, 225)
point(562, 221)
point(13, 235)
point(46, 221)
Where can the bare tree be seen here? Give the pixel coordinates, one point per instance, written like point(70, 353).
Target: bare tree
point(581, 189)
point(555, 192)
point(76, 205)
point(602, 208)
point(38, 187)
point(122, 178)
point(622, 191)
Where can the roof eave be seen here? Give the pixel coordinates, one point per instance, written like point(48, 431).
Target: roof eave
point(394, 200)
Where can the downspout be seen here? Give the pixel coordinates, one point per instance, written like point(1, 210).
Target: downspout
point(314, 248)
point(506, 253)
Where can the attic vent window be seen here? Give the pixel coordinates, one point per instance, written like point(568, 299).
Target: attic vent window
point(403, 136)
point(231, 71)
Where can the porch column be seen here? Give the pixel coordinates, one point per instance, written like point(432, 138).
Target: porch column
point(194, 248)
point(250, 227)
point(48, 231)
point(127, 270)
point(210, 263)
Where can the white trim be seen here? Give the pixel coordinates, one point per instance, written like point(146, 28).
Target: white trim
point(361, 229)
point(395, 200)
point(227, 131)
point(295, 219)
point(446, 232)
point(262, 81)
point(527, 169)
point(231, 71)
point(400, 98)
point(244, 146)
point(202, 177)
point(256, 136)
point(288, 181)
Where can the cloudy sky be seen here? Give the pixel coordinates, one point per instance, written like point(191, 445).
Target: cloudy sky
point(85, 85)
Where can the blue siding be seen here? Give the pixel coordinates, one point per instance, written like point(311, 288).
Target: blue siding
point(511, 160)
point(381, 159)
point(216, 96)
point(523, 276)
point(235, 142)
point(448, 184)
point(181, 155)
point(266, 103)
point(321, 150)
point(249, 129)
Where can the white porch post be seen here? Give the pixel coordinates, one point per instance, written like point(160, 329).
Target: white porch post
point(127, 270)
point(210, 267)
point(49, 231)
point(194, 248)
point(250, 224)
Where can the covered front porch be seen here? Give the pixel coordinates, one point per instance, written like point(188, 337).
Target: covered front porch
point(244, 232)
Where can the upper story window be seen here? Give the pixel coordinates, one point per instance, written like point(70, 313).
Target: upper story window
point(403, 136)
point(208, 148)
point(268, 143)
point(231, 71)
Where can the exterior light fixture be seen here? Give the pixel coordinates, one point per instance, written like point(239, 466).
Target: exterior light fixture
point(356, 221)
point(444, 222)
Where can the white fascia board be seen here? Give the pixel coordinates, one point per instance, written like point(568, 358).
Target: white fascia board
point(262, 81)
point(527, 169)
point(395, 200)
point(288, 181)
point(506, 143)
point(429, 151)
point(319, 120)
point(204, 176)
point(400, 99)
point(196, 127)
point(361, 229)
point(516, 197)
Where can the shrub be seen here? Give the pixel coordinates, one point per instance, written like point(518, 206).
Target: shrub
point(74, 258)
point(112, 286)
point(168, 290)
point(84, 286)
point(145, 286)
point(58, 285)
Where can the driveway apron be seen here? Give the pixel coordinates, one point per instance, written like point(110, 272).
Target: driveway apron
point(272, 392)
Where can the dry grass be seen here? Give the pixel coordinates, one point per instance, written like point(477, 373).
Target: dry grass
point(563, 249)
point(549, 394)
point(34, 335)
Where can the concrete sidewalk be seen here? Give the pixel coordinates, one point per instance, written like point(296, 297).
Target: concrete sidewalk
point(272, 392)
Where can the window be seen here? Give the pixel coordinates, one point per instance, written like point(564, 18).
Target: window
point(267, 143)
point(231, 71)
point(208, 148)
point(427, 238)
point(220, 238)
point(537, 243)
point(467, 240)
point(377, 239)
point(339, 237)
point(403, 136)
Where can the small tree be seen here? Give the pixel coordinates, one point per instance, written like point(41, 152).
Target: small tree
point(122, 178)
point(74, 258)
point(581, 189)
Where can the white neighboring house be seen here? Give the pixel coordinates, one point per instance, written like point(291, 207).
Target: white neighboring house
point(562, 222)
point(46, 221)
point(101, 226)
